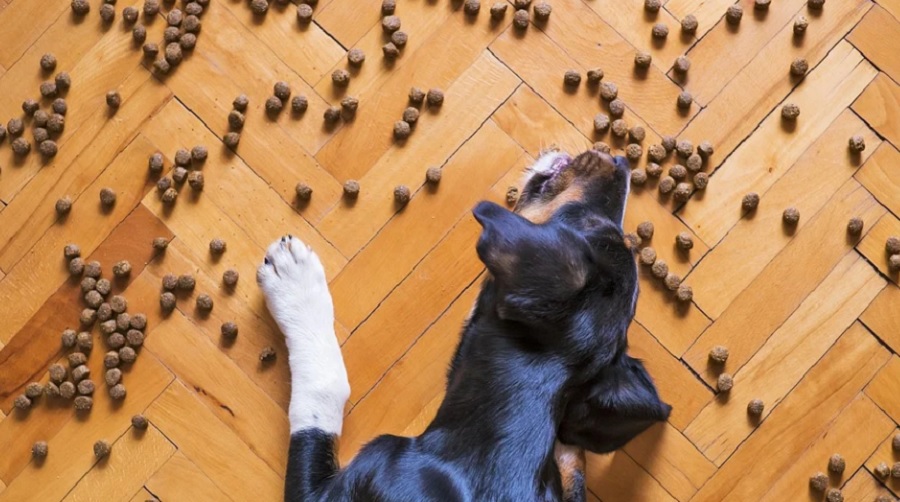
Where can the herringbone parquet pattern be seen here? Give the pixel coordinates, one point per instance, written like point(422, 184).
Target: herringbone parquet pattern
point(810, 315)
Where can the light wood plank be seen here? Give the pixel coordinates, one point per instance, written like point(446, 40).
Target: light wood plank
point(881, 317)
point(880, 176)
point(349, 21)
point(875, 105)
point(884, 453)
point(707, 12)
point(869, 36)
point(863, 486)
point(619, 477)
point(883, 389)
point(179, 478)
point(873, 245)
point(671, 459)
point(27, 22)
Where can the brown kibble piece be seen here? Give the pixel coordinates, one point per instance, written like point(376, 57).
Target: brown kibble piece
point(616, 108)
point(229, 330)
point(672, 281)
point(647, 256)
point(642, 60)
point(433, 175)
point(339, 77)
point(633, 152)
point(718, 354)
point(107, 196)
point(652, 5)
point(834, 495)
point(666, 185)
point(542, 11)
point(80, 372)
point(815, 4)
point(356, 57)
point(116, 341)
point(498, 10)
point(204, 302)
point(734, 14)
point(724, 383)
point(84, 341)
point(122, 269)
point(88, 316)
point(755, 408)
point(857, 144)
point(791, 216)
point(855, 226)
point(682, 192)
point(750, 201)
point(390, 51)
point(689, 24)
point(167, 301)
point(799, 67)
point(645, 230)
point(401, 130)
point(110, 360)
point(231, 140)
point(521, 19)
point(660, 269)
point(818, 482)
point(684, 241)
point(86, 387)
point(80, 7)
point(390, 23)
point(127, 355)
point(800, 25)
point(51, 389)
point(601, 123)
point(892, 245)
point(34, 390)
point(619, 128)
point(790, 111)
point(694, 163)
point(594, 76)
point(660, 30)
point(600, 146)
point(57, 372)
point(304, 192)
point(882, 470)
point(102, 448)
point(609, 91)
point(332, 115)
point(134, 338)
point(240, 103)
point(471, 7)
point(63, 205)
point(632, 242)
point(39, 450)
point(304, 13)
point(416, 96)
point(274, 105)
point(351, 188)
point(761, 4)
point(139, 422)
point(76, 359)
point(113, 99)
point(67, 390)
point(267, 354)
point(411, 115)
point(117, 391)
point(230, 277)
point(21, 147)
point(299, 104)
point(84, 403)
point(837, 464)
point(435, 97)
point(402, 195)
point(572, 78)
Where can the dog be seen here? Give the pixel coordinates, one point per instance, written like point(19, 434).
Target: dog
point(540, 374)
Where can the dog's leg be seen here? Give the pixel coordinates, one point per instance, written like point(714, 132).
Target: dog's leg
point(570, 460)
point(293, 282)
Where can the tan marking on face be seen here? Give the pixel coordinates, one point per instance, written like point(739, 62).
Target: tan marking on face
point(540, 212)
point(570, 460)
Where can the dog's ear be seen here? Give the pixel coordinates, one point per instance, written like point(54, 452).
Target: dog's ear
point(501, 230)
point(609, 411)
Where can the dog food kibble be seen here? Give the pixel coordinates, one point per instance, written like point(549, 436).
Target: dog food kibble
point(638, 177)
point(92, 298)
point(332, 115)
point(542, 11)
point(127, 355)
point(521, 19)
point(602, 147)
point(637, 134)
point(617, 108)
point(416, 96)
point(750, 201)
point(199, 154)
point(51, 389)
point(39, 450)
point(682, 192)
point(118, 391)
point(609, 91)
point(162, 66)
point(411, 115)
point(512, 195)
point(857, 144)
point(682, 64)
point(689, 24)
point(895, 470)
point(29, 106)
point(80, 372)
point(660, 30)
point(678, 172)
point(204, 302)
point(140, 422)
point(435, 97)
point(123, 321)
point(684, 100)
point(894, 263)
point(113, 100)
point(71, 251)
point(339, 77)
point(86, 387)
point(656, 153)
point(155, 164)
point(34, 390)
point(229, 330)
point(632, 242)
point(660, 269)
point(401, 194)
point(799, 67)
point(718, 354)
point(684, 241)
point(304, 13)
point(634, 151)
point(108, 327)
point(761, 4)
point(390, 51)
point(57, 372)
point(399, 38)
point(800, 25)
point(122, 269)
point(273, 105)
point(666, 185)
point(815, 4)
point(855, 226)
point(619, 128)
point(110, 360)
point(118, 304)
point(104, 312)
point(648, 256)
point(892, 245)
point(21, 147)
point(672, 281)
point(63, 205)
point(818, 481)
point(351, 188)
point(299, 104)
point(790, 111)
point(15, 127)
point(694, 162)
point(755, 407)
point(80, 7)
point(88, 317)
point(725, 382)
point(390, 23)
point(594, 76)
point(138, 321)
point(652, 5)
point(22, 402)
point(401, 130)
point(267, 354)
point(68, 338)
point(169, 196)
point(76, 359)
point(134, 338)
point(388, 7)
point(356, 57)
point(240, 103)
point(734, 14)
point(67, 390)
point(107, 13)
point(836, 464)
point(645, 230)
point(601, 123)
point(231, 140)
point(433, 175)
point(471, 7)
point(196, 181)
point(834, 495)
point(107, 196)
point(642, 60)
point(102, 448)
point(116, 341)
point(498, 10)
point(791, 216)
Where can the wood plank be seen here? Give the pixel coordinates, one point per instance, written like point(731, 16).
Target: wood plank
point(882, 319)
point(855, 433)
point(892, 6)
point(676, 383)
point(232, 177)
point(143, 495)
point(887, 454)
point(33, 348)
point(883, 389)
point(671, 459)
point(430, 215)
point(873, 244)
point(347, 22)
point(350, 226)
point(224, 388)
point(279, 150)
point(753, 242)
point(787, 355)
point(416, 379)
point(880, 176)
point(832, 384)
point(869, 36)
point(135, 457)
point(619, 477)
point(179, 478)
point(34, 278)
point(213, 446)
point(71, 454)
point(785, 282)
point(707, 12)
point(863, 486)
point(538, 59)
point(73, 170)
point(28, 21)
point(874, 105)
point(764, 158)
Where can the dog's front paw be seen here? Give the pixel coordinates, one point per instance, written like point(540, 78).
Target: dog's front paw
point(293, 282)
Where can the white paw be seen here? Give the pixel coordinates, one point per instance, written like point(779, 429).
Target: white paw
point(293, 282)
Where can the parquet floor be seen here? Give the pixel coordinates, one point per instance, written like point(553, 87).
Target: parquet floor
point(810, 315)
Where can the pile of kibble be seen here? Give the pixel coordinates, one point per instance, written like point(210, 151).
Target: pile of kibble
point(187, 168)
point(658, 267)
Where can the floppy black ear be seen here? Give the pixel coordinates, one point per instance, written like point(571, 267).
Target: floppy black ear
point(501, 229)
point(613, 408)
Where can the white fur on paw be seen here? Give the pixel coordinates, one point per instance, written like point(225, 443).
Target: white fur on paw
point(293, 282)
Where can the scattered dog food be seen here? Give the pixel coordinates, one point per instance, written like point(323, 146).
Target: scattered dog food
point(791, 216)
point(84, 403)
point(88, 284)
point(39, 449)
point(51, 389)
point(433, 175)
point(836, 464)
point(80, 7)
point(199, 154)
point(122, 269)
point(684, 241)
point(682, 192)
point(113, 100)
point(163, 184)
point(652, 5)
point(435, 97)
point(660, 269)
point(299, 104)
point(660, 30)
point(678, 172)
point(107, 196)
point(619, 128)
point(390, 23)
point(645, 230)
point(84, 341)
point(750, 201)
point(815, 4)
point(894, 263)
point(63, 81)
point(63, 205)
point(339, 77)
point(855, 226)
point(229, 330)
point(127, 355)
point(790, 111)
point(123, 321)
point(107, 13)
point(304, 192)
point(672, 281)
point(689, 24)
point(351, 188)
point(602, 147)
point(684, 294)
point(498, 10)
point(110, 360)
point(86, 387)
point(725, 382)
point(169, 196)
point(734, 14)
point(401, 195)
point(642, 60)
point(694, 162)
point(108, 327)
point(167, 301)
point(685, 99)
point(332, 115)
point(857, 144)
point(240, 103)
point(102, 449)
point(761, 4)
point(401, 130)
point(834, 495)
point(895, 470)
point(542, 11)
point(682, 65)
point(471, 7)
point(231, 140)
point(22, 402)
point(594, 76)
point(88, 317)
point(274, 105)
point(609, 91)
point(632, 242)
point(204, 302)
point(57, 372)
point(818, 482)
point(162, 66)
point(656, 153)
point(800, 25)
point(705, 149)
point(196, 181)
point(29, 106)
point(134, 338)
point(411, 115)
point(34, 390)
point(718, 354)
point(892, 245)
point(267, 354)
point(76, 359)
point(118, 391)
point(639, 177)
point(116, 341)
point(647, 256)
point(617, 108)
point(390, 51)
point(666, 185)
point(67, 390)
point(160, 243)
point(512, 195)
point(755, 407)
point(637, 134)
point(356, 57)
point(21, 147)
point(521, 19)
point(633, 152)
point(601, 123)
point(304, 13)
point(416, 95)
point(799, 67)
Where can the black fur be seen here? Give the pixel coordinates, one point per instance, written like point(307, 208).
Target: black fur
point(541, 359)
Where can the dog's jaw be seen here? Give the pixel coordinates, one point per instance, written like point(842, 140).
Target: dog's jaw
point(293, 282)
point(549, 163)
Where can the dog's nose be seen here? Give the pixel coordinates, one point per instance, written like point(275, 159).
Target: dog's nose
point(622, 163)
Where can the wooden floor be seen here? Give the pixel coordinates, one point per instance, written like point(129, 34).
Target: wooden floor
point(810, 315)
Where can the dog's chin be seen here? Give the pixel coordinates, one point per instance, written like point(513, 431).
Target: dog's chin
point(548, 165)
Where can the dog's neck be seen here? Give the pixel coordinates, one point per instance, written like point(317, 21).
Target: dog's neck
point(502, 407)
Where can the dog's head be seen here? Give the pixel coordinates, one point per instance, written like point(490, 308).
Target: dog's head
point(564, 278)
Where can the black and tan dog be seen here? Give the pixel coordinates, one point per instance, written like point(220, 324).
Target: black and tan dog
point(540, 373)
